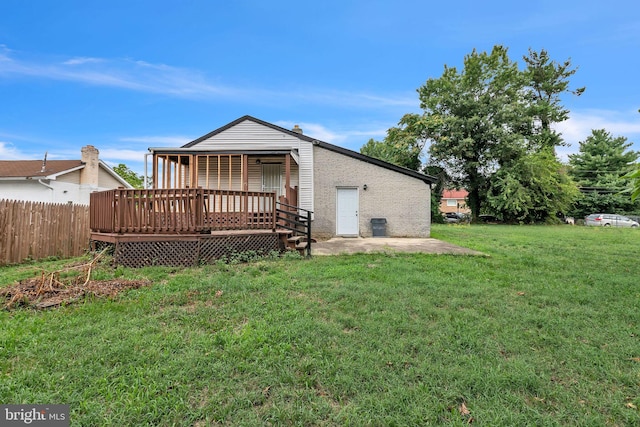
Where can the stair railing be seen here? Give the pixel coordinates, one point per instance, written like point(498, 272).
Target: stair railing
point(295, 219)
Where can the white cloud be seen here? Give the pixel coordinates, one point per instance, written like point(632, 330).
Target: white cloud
point(122, 156)
point(578, 127)
point(347, 138)
point(170, 141)
point(83, 60)
point(581, 123)
point(142, 76)
point(9, 152)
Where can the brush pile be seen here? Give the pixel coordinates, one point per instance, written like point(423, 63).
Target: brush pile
point(64, 286)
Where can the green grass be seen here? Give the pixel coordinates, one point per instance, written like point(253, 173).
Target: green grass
point(545, 330)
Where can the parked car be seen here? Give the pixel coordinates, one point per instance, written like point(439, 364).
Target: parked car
point(455, 217)
point(488, 219)
point(609, 220)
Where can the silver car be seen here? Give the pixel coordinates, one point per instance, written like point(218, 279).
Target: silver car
point(610, 220)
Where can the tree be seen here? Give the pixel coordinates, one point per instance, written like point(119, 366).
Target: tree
point(635, 184)
point(599, 168)
point(436, 190)
point(485, 122)
point(532, 189)
point(402, 146)
point(469, 116)
point(137, 181)
point(546, 80)
point(634, 176)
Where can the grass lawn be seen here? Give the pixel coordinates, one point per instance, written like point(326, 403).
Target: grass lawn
point(545, 330)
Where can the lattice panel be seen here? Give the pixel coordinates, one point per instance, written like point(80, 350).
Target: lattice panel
point(172, 253)
point(216, 247)
point(99, 246)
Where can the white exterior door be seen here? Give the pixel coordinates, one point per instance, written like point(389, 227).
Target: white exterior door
point(347, 212)
point(271, 178)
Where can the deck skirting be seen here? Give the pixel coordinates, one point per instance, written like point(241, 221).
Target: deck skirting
point(140, 250)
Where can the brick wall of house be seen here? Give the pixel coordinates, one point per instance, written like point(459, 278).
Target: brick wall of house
point(454, 201)
point(403, 200)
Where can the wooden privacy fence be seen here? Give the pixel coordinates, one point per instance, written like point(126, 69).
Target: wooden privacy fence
point(38, 230)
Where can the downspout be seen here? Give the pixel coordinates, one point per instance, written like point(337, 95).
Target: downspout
point(46, 185)
point(146, 183)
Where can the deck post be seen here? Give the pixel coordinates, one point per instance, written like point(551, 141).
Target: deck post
point(273, 212)
point(287, 177)
point(245, 188)
point(199, 209)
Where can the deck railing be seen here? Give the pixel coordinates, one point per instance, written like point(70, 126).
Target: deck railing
point(176, 211)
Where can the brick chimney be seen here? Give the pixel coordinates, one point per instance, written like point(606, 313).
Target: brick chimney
point(89, 174)
point(297, 129)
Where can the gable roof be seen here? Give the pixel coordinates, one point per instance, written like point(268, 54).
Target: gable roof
point(344, 151)
point(34, 168)
point(454, 194)
point(27, 169)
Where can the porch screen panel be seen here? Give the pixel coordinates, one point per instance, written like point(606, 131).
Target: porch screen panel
point(271, 178)
point(271, 181)
point(220, 171)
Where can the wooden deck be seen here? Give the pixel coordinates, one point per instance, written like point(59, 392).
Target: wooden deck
point(191, 226)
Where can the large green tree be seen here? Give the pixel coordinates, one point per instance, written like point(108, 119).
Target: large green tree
point(534, 188)
point(599, 168)
point(470, 117)
point(489, 125)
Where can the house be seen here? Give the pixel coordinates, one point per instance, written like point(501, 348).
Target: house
point(248, 185)
point(57, 181)
point(344, 189)
point(454, 201)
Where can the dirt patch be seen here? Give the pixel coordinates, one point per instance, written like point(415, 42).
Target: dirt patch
point(62, 287)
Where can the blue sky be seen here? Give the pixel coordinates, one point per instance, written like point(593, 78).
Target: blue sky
point(128, 75)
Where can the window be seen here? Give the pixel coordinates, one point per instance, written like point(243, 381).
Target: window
point(452, 202)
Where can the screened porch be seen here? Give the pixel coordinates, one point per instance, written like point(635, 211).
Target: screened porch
point(269, 171)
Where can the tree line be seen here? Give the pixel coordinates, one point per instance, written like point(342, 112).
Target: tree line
point(490, 128)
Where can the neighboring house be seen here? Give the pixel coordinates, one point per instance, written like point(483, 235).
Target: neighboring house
point(344, 189)
point(57, 181)
point(454, 201)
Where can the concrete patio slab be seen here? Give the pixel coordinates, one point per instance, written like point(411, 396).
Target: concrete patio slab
point(345, 245)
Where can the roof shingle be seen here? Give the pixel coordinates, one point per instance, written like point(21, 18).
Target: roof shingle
point(33, 168)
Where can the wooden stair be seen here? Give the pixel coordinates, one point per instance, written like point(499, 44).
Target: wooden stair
point(294, 228)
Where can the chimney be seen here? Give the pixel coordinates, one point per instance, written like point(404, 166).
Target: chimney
point(89, 174)
point(297, 129)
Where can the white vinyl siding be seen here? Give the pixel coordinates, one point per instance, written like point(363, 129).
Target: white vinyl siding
point(249, 135)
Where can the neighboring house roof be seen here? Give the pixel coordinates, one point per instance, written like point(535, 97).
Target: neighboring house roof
point(26, 169)
point(35, 169)
point(454, 194)
point(426, 178)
